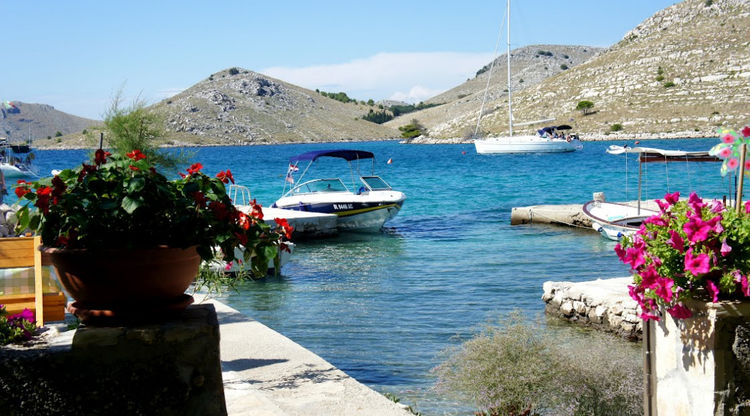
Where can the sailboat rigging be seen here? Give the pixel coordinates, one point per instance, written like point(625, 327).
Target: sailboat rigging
point(545, 142)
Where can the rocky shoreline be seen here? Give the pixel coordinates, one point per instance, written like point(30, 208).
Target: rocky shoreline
point(585, 137)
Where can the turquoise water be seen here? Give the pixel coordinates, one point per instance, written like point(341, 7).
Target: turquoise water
point(382, 306)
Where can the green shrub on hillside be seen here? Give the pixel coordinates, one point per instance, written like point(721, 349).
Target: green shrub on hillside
point(563, 67)
point(397, 110)
point(413, 129)
point(616, 127)
point(378, 117)
point(338, 96)
point(669, 84)
point(234, 71)
point(585, 107)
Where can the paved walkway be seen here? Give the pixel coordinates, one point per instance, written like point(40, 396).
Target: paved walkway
point(267, 374)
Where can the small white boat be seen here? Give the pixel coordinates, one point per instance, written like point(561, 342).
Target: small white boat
point(305, 224)
point(368, 209)
point(13, 163)
point(613, 220)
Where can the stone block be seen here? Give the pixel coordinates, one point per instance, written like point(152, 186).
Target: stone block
point(170, 367)
point(580, 307)
point(567, 308)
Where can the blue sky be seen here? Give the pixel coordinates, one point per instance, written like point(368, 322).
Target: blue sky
point(75, 55)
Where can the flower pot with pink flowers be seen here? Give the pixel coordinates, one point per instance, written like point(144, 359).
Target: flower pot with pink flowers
point(691, 271)
point(123, 237)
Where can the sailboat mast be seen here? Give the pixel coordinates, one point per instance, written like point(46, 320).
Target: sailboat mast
point(510, 106)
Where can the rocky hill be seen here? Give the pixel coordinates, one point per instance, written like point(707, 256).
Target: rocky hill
point(237, 106)
point(530, 65)
point(681, 73)
point(21, 121)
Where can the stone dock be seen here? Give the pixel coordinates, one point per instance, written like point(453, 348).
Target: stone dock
point(602, 304)
point(567, 214)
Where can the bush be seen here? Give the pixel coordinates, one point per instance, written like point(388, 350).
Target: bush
point(515, 367)
point(58, 134)
point(233, 71)
point(660, 78)
point(585, 107)
point(378, 117)
point(669, 84)
point(563, 67)
point(412, 130)
point(616, 127)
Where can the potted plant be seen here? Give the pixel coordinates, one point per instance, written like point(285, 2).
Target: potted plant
point(691, 265)
point(121, 234)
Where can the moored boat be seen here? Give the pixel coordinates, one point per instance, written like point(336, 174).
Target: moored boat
point(613, 220)
point(367, 209)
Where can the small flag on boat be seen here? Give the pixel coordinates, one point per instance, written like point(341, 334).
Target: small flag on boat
point(389, 161)
point(290, 172)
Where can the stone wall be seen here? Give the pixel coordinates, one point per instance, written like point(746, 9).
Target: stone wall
point(603, 304)
point(167, 368)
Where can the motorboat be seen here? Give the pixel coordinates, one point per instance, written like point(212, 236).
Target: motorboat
point(541, 143)
point(367, 209)
point(306, 224)
point(15, 159)
point(614, 220)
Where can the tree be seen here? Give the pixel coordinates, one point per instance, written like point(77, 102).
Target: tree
point(134, 127)
point(585, 107)
point(413, 129)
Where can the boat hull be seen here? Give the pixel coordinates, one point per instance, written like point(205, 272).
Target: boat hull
point(613, 221)
point(353, 212)
point(525, 144)
point(12, 171)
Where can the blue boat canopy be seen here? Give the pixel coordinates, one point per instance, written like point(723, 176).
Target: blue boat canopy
point(341, 153)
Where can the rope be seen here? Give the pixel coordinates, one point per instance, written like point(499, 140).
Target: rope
point(489, 76)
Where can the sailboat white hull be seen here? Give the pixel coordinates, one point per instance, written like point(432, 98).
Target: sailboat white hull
point(525, 144)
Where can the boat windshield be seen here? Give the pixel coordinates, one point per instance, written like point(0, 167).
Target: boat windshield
point(319, 185)
point(375, 183)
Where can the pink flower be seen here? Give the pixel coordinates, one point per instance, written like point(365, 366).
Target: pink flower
point(745, 285)
point(663, 206)
point(697, 265)
point(717, 206)
point(679, 311)
point(696, 202)
point(725, 248)
point(747, 165)
point(732, 163)
point(649, 278)
point(713, 290)
point(745, 131)
point(675, 240)
point(648, 315)
point(696, 229)
point(663, 288)
point(728, 138)
point(747, 207)
point(672, 198)
point(725, 152)
point(634, 255)
point(656, 220)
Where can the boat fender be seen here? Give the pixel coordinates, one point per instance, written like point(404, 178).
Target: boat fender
point(361, 189)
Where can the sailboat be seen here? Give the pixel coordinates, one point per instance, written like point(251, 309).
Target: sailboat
point(541, 143)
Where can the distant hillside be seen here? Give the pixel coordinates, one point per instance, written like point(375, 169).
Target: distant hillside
point(38, 121)
point(530, 65)
point(683, 72)
point(237, 106)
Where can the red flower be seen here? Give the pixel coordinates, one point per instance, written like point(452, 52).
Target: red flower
point(22, 188)
point(194, 168)
point(100, 156)
point(182, 175)
point(219, 209)
point(257, 211)
point(43, 195)
point(85, 170)
point(243, 221)
point(133, 168)
point(59, 186)
point(62, 241)
point(746, 131)
point(225, 176)
point(199, 198)
point(285, 247)
point(242, 237)
point(136, 155)
point(284, 224)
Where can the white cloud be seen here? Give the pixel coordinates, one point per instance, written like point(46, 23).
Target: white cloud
point(388, 75)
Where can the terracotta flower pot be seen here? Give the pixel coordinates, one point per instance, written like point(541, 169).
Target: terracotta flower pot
point(125, 279)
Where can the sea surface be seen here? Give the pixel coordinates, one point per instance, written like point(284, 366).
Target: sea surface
point(383, 306)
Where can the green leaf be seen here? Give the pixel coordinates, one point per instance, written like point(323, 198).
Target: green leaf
point(131, 204)
point(136, 184)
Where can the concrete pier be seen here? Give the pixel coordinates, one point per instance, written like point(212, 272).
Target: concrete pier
point(568, 214)
point(603, 304)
